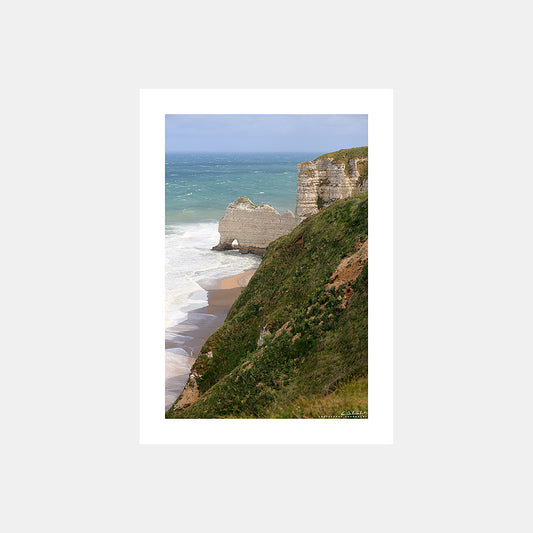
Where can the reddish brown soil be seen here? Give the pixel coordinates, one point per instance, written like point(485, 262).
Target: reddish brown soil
point(350, 268)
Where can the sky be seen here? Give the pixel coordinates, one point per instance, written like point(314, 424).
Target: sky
point(264, 133)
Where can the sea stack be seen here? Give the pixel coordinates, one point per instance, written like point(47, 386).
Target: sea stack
point(252, 226)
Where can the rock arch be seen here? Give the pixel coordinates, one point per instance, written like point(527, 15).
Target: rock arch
point(253, 227)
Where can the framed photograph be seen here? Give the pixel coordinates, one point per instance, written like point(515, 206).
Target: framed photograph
point(266, 266)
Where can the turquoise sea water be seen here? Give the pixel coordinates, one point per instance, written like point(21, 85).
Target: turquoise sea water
point(198, 188)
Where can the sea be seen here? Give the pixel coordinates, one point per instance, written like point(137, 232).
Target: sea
point(198, 188)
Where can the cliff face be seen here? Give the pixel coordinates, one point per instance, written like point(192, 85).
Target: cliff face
point(330, 178)
point(252, 226)
point(321, 182)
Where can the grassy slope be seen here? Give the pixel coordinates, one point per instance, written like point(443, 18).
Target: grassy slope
point(314, 363)
point(344, 155)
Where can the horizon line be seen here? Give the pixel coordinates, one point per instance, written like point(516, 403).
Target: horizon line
point(248, 151)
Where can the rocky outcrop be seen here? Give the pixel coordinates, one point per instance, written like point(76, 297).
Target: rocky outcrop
point(321, 182)
point(253, 227)
point(324, 180)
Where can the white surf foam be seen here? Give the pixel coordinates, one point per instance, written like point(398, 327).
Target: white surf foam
point(191, 266)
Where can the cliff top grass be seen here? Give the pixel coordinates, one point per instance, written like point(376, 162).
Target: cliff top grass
point(345, 155)
point(313, 361)
point(244, 200)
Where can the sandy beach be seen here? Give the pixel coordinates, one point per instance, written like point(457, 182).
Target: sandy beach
point(190, 335)
point(227, 290)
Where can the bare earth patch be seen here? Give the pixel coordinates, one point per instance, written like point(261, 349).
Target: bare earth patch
point(189, 395)
point(285, 327)
point(350, 267)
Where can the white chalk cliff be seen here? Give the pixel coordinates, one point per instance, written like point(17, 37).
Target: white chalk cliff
point(320, 183)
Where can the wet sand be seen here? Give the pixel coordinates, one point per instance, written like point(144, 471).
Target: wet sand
point(185, 340)
point(227, 291)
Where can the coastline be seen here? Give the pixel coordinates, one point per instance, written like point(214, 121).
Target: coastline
point(190, 335)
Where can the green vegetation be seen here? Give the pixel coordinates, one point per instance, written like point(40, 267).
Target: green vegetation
point(243, 200)
point(348, 400)
point(344, 155)
point(314, 362)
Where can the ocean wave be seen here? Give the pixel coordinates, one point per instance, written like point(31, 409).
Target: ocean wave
point(191, 266)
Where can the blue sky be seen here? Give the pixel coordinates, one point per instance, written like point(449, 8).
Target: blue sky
point(265, 133)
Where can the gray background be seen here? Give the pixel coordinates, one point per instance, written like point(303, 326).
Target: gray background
point(69, 218)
